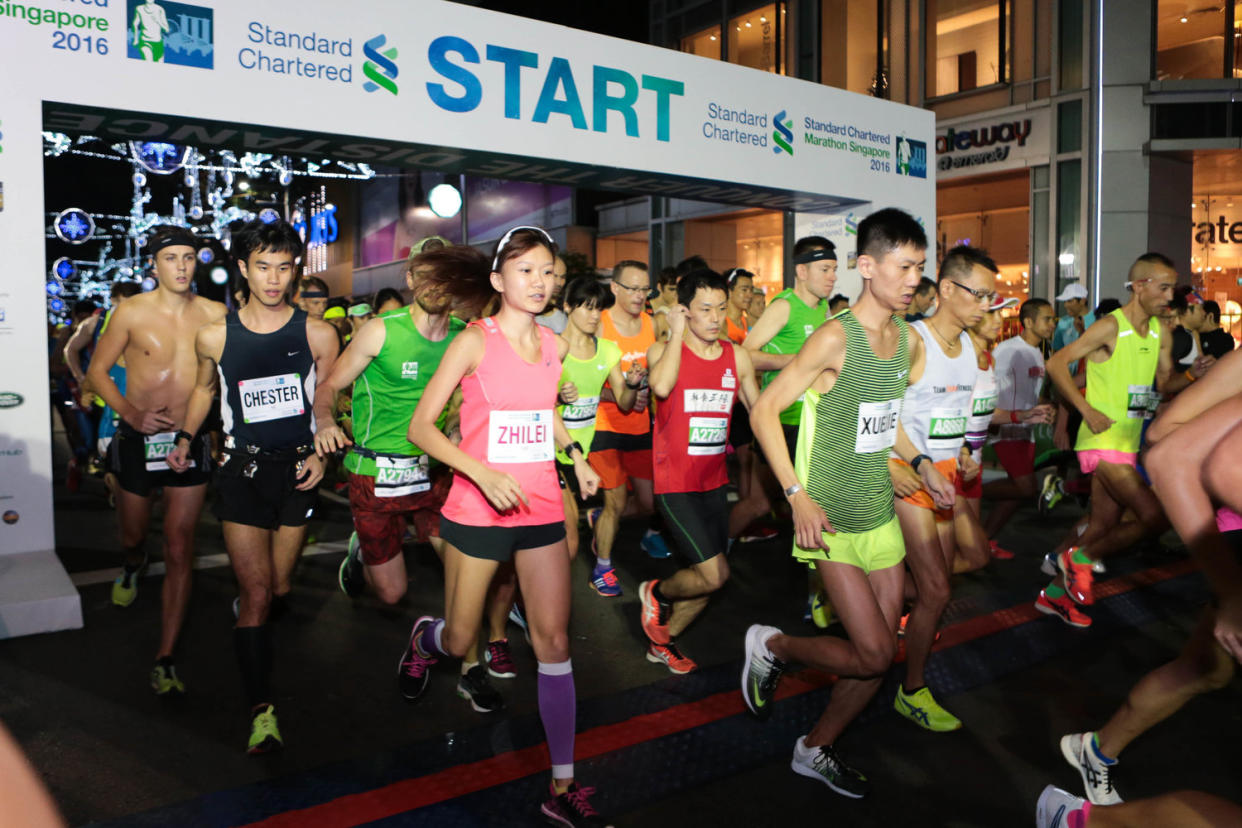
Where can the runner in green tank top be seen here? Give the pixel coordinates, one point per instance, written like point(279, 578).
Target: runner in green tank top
point(1126, 352)
point(589, 363)
point(772, 341)
point(389, 361)
point(853, 371)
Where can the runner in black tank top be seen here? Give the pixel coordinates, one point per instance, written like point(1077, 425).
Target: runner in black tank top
point(267, 357)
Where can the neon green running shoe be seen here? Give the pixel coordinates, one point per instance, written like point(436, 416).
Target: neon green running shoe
point(125, 587)
point(821, 610)
point(264, 732)
point(920, 708)
point(164, 680)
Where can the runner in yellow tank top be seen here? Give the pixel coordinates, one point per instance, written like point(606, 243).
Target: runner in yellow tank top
point(1125, 352)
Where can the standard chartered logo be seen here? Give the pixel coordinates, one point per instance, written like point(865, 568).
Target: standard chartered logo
point(379, 67)
point(782, 135)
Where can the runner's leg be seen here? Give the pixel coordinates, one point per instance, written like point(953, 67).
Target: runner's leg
point(925, 555)
point(182, 506)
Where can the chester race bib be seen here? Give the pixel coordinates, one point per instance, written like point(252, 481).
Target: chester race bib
point(397, 476)
point(519, 437)
point(271, 398)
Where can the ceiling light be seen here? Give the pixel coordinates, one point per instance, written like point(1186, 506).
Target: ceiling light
point(444, 200)
point(713, 37)
point(748, 24)
point(762, 19)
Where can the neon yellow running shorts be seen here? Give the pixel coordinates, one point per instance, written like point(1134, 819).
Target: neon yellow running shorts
point(877, 548)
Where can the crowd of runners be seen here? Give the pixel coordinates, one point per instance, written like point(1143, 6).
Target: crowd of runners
point(511, 419)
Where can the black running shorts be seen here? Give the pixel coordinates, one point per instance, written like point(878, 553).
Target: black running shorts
point(498, 543)
point(260, 491)
point(698, 522)
point(137, 460)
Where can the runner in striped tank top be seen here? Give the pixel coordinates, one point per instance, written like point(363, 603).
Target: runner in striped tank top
point(854, 371)
point(505, 503)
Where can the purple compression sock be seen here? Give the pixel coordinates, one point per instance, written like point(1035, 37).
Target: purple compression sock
point(558, 710)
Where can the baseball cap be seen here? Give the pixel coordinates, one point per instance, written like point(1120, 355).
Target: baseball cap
point(1002, 302)
point(1074, 290)
point(334, 313)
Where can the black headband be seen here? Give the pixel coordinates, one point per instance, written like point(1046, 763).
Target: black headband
point(171, 237)
point(816, 255)
point(314, 293)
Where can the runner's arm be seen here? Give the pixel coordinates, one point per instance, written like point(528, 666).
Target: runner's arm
point(664, 360)
point(747, 384)
point(629, 393)
point(588, 478)
point(363, 348)
point(1169, 380)
point(77, 343)
point(107, 351)
point(1100, 336)
point(1224, 381)
point(769, 325)
point(208, 344)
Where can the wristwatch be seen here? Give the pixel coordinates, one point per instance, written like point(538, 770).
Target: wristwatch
point(569, 449)
point(914, 464)
point(189, 438)
point(793, 490)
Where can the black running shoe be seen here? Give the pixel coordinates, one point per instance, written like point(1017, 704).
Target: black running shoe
point(350, 576)
point(414, 669)
point(573, 809)
point(475, 688)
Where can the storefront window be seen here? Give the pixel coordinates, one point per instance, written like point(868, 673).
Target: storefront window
point(966, 45)
point(1190, 40)
point(757, 39)
point(848, 44)
point(1071, 44)
point(704, 44)
point(1070, 266)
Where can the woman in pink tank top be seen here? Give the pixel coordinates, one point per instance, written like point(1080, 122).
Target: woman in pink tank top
point(505, 503)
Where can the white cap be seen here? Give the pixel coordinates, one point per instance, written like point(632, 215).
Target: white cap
point(1073, 290)
point(1002, 302)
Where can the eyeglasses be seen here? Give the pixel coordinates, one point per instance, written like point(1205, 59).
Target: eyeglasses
point(980, 295)
point(632, 288)
point(507, 236)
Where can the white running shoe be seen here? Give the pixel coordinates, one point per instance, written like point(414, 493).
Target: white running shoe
point(1097, 775)
point(761, 671)
point(1049, 565)
point(1055, 806)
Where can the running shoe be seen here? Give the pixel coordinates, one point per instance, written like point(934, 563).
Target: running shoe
point(518, 617)
point(125, 587)
point(826, 765)
point(604, 581)
point(671, 656)
point(1078, 577)
point(237, 608)
point(1055, 806)
point(999, 552)
point(475, 688)
point(264, 732)
point(1052, 494)
point(821, 610)
point(1098, 568)
point(1079, 749)
point(653, 544)
point(500, 660)
point(413, 671)
point(901, 628)
point(920, 708)
point(573, 809)
point(164, 679)
point(655, 614)
point(1049, 565)
point(592, 517)
point(1062, 608)
point(350, 576)
point(761, 671)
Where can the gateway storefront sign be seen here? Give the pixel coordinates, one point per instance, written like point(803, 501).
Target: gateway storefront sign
point(1001, 142)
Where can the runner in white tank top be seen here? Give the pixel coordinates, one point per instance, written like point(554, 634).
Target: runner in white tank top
point(933, 422)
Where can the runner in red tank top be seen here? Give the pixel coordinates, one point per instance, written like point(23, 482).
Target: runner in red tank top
point(695, 378)
point(505, 502)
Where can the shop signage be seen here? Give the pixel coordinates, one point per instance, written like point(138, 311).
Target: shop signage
point(1018, 138)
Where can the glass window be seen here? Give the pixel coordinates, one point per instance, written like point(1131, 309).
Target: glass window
point(1069, 199)
point(1071, 44)
point(1069, 126)
point(757, 39)
point(704, 44)
point(966, 45)
point(848, 44)
point(1190, 40)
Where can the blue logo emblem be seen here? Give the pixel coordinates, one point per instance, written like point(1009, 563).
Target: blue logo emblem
point(161, 31)
point(74, 225)
point(782, 134)
point(911, 157)
point(379, 66)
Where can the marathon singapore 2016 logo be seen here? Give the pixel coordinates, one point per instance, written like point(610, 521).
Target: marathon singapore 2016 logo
point(380, 66)
point(782, 134)
point(911, 157)
point(160, 31)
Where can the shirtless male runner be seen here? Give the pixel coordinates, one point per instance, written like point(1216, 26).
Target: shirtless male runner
point(154, 334)
point(1125, 352)
point(853, 372)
